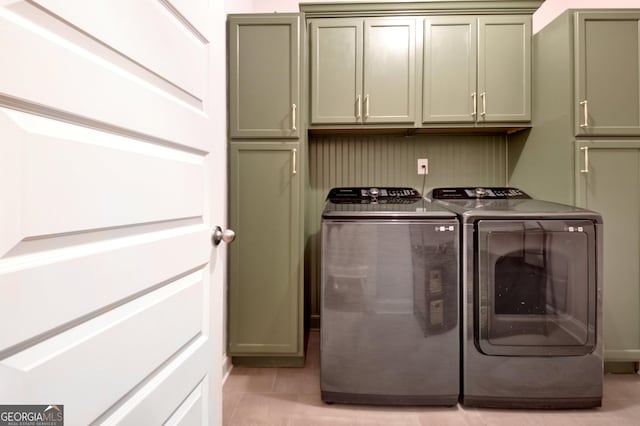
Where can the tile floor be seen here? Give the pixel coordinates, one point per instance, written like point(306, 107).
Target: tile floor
point(291, 396)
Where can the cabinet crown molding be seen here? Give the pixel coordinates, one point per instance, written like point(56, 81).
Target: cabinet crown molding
point(425, 7)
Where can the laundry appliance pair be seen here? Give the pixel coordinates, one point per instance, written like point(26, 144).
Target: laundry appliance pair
point(478, 294)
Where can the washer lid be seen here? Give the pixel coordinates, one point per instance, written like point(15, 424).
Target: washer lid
point(388, 209)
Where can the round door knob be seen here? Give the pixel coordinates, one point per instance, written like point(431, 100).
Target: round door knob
point(219, 235)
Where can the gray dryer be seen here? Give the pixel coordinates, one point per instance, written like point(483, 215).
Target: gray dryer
point(532, 300)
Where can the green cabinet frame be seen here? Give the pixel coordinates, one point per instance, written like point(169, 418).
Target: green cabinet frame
point(264, 76)
point(362, 70)
point(265, 260)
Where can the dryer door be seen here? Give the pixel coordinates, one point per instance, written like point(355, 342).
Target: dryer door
point(536, 287)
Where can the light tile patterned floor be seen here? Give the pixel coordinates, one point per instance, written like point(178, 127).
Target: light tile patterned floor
point(291, 397)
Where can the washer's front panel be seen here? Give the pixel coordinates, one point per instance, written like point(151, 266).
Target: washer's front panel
point(390, 296)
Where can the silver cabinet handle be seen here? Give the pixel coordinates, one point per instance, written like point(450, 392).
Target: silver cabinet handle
point(366, 106)
point(475, 107)
point(585, 149)
point(219, 235)
point(358, 107)
point(293, 117)
point(585, 123)
point(294, 166)
point(483, 95)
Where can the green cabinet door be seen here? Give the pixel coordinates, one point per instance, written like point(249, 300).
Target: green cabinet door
point(449, 70)
point(265, 261)
point(607, 181)
point(336, 70)
point(607, 73)
point(362, 70)
point(389, 71)
point(504, 68)
point(264, 76)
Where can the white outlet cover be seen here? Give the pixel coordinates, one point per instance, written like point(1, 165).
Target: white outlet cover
point(423, 162)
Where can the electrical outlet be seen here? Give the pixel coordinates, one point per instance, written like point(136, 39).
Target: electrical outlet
point(423, 166)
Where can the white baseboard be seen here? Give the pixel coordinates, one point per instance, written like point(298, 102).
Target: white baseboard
point(226, 367)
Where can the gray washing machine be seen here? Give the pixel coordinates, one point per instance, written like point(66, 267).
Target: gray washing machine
point(389, 299)
point(532, 300)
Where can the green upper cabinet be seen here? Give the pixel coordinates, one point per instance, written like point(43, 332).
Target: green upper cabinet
point(336, 70)
point(477, 69)
point(389, 71)
point(362, 70)
point(504, 68)
point(449, 71)
point(607, 73)
point(264, 76)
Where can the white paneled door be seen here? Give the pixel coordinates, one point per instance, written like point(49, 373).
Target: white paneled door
point(112, 177)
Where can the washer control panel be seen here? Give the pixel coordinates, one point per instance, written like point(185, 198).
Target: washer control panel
point(389, 193)
point(360, 195)
point(493, 193)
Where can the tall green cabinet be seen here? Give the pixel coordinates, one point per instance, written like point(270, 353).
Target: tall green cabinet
point(265, 305)
point(584, 144)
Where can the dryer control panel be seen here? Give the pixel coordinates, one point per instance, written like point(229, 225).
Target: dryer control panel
point(493, 193)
